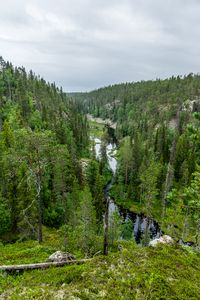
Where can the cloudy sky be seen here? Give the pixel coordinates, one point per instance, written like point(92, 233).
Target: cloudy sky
point(86, 44)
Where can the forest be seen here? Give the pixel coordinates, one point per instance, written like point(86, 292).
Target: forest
point(54, 188)
point(42, 140)
point(158, 134)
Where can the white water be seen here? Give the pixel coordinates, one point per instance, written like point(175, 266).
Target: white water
point(138, 220)
point(97, 147)
point(110, 150)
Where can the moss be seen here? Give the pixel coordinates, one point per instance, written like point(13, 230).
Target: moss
point(165, 272)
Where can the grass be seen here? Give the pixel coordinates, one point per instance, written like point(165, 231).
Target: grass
point(31, 251)
point(135, 272)
point(26, 252)
point(96, 129)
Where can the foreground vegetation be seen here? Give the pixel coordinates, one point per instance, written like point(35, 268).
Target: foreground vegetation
point(134, 272)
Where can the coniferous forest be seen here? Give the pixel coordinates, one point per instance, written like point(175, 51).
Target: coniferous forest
point(157, 128)
point(55, 190)
point(43, 138)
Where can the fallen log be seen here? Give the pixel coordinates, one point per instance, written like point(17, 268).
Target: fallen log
point(41, 265)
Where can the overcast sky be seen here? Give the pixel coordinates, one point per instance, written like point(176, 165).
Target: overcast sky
point(86, 44)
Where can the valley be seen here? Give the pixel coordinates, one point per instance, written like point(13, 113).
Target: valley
point(99, 175)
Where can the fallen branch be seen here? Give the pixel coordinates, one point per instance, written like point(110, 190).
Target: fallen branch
point(41, 265)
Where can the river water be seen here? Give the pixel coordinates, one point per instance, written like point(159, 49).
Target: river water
point(138, 222)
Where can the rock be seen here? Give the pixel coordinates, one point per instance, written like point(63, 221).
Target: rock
point(191, 105)
point(60, 294)
point(195, 106)
point(165, 239)
point(188, 243)
point(154, 242)
point(60, 256)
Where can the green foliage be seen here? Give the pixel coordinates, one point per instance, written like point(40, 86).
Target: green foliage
point(133, 273)
point(5, 217)
point(158, 138)
point(96, 129)
point(86, 229)
point(127, 230)
point(42, 137)
point(114, 227)
point(185, 210)
point(145, 237)
point(27, 251)
point(95, 183)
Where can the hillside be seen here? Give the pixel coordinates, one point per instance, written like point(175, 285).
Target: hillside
point(142, 105)
point(159, 151)
point(42, 138)
point(56, 193)
point(133, 273)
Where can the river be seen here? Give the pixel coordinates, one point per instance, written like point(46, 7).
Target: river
point(138, 221)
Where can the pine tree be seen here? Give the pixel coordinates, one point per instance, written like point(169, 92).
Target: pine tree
point(87, 222)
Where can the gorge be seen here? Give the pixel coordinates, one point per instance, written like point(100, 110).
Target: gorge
point(137, 223)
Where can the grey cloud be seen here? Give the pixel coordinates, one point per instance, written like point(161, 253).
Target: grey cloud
point(86, 44)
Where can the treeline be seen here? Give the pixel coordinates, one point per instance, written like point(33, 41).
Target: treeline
point(159, 152)
point(43, 138)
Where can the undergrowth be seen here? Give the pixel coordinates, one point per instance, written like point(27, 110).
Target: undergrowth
point(134, 272)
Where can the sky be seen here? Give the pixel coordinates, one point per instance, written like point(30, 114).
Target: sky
point(82, 45)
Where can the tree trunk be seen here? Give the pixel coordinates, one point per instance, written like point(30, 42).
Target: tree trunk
point(170, 168)
point(40, 233)
point(126, 174)
point(39, 182)
point(64, 197)
point(106, 219)
point(1, 122)
point(185, 225)
point(46, 265)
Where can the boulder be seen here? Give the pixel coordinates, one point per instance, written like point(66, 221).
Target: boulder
point(165, 239)
point(60, 256)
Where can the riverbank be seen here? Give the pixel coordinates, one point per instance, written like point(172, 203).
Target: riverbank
point(130, 225)
point(96, 129)
point(102, 121)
